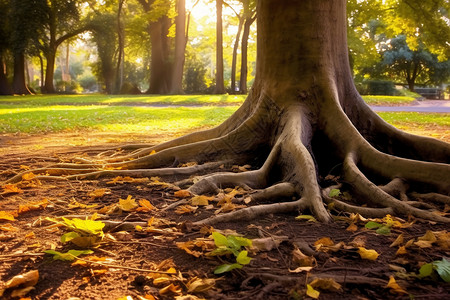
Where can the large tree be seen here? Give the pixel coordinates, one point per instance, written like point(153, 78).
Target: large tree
point(302, 121)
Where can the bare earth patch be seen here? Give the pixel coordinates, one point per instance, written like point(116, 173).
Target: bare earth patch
point(129, 253)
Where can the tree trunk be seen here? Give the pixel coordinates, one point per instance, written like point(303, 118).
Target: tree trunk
point(234, 60)
point(220, 85)
point(5, 88)
point(19, 86)
point(302, 121)
point(180, 48)
point(244, 50)
point(159, 66)
point(121, 46)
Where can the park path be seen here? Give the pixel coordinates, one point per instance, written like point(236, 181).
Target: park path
point(431, 106)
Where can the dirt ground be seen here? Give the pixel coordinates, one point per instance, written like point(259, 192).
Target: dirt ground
point(141, 255)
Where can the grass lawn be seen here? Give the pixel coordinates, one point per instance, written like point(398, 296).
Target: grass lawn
point(163, 114)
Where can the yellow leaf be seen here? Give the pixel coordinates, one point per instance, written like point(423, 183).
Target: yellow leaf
point(8, 227)
point(198, 285)
point(125, 298)
point(28, 279)
point(200, 200)
point(138, 228)
point(311, 292)
point(401, 250)
point(443, 239)
point(352, 227)
point(326, 284)
point(185, 209)
point(4, 215)
point(32, 206)
point(128, 204)
point(428, 236)
point(325, 241)
point(395, 288)
point(424, 244)
point(145, 206)
point(369, 254)
point(301, 259)
point(11, 188)
point(98, 193)
point(28, 176)
point(30, 235)
point(171, 288)
point(398, 241)
point(182, 194)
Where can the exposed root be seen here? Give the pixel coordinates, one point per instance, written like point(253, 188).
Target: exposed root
point(283, 190)
point(431, 197)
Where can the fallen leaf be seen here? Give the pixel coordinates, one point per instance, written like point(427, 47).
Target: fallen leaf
point(98, 193)
point(28, 279)
point(302, 260)
point(185, 209)
point(8, 227)
point(301, 269)
point(352, 227)
point(311, 292)
point(328, 284)
point(182, 194)
point(395, 288)
point(20, 293)
point(200, 200)
point(30, 206)
point(358, 241)
point(171, 288)
point(128, 204)
point(398, 241)
point(145, 206)
point(401, 250)
point(28, 176)
point(325, 241)
point(309, 218)
point(198, 285)
point(11, 189)
point(4, 215)
point(268, 243)
point(30, 235)
point(369, 254)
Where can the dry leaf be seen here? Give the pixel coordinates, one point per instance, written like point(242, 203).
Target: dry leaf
point(358, 241)
point(369, 254)
point(8, 227)
point(32, 206)
point(398, 241)
point(352, 227)
point(200, 200)
point(182, 194)
point(128, 204)
point(401, 250)
point(301, 269)
point(268, 243)
point(8, 216)
point(395, 288)
point(30, 235)
point(301, 259)
point(98, 193)
point(28, 279)
point(28, 176)
point(328, 284)
point(325, 241)
point(185, 209)
point(145, 206)
point(11, 189)
point(198, 285)
point(171, 288)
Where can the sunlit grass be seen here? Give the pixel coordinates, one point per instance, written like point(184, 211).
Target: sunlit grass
point(388, 100)
point(405, 118)
point(119, 118)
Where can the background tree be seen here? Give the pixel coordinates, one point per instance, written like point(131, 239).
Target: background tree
point(220, 85)
point(180, 48)
point(302, 121)
point(250, 17)
point(5, 88)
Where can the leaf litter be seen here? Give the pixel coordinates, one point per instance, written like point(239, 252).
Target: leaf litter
point(130, 248)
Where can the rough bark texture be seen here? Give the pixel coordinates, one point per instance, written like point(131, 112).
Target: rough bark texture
point(303, 120)
point(180, 48)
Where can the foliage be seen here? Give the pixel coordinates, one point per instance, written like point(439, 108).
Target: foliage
point(230, 245)
point(442, 267)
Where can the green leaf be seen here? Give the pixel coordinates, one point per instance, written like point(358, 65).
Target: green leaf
point(69, 255)
point(69, 236)
point(242, 258)
point(243, 242)
point(426, 270)
point(334, 193)
point(219, 239)
point(219, 251)
point(306, 217)
point(227, 268)
point(443, 269)
point(372, 225)
point(384, 230)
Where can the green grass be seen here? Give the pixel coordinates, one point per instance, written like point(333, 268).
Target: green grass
point(405, 118)
point(54, 113)
point(98, 99)
point(388, 100)
point(110, 118)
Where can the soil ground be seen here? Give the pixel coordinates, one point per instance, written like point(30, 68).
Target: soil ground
point(125, 263)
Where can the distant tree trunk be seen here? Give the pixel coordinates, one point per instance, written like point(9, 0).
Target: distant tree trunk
point(220, 86)
point(19, 86)
point(180, 48)
point(234, 60)
point(5, 88)
point(160, 65)
point(244, 49)
point(120, 58)
point(41, 62)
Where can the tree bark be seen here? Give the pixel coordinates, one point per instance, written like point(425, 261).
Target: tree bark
point(19, 86)
point(302, 120)
point(234, 60)
point(220, 85)
point(5, 88)
point(244, 59)
point(180, 48)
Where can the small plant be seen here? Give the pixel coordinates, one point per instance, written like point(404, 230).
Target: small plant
point(84, 233)
point(442, 267)
point(384, 227)
point(227, 245)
